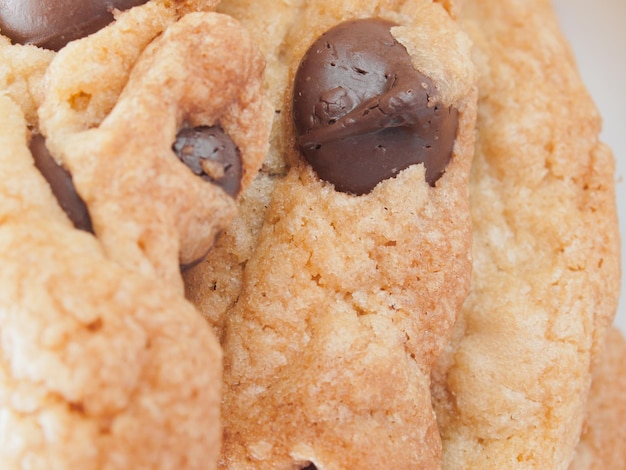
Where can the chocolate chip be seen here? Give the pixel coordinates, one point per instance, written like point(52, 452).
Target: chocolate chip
point(210, 153)
point(60, 182)
point(361, 110)
point(187, 266)
point(53, 23)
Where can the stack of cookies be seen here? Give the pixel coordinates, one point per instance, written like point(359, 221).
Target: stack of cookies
point(304, 235)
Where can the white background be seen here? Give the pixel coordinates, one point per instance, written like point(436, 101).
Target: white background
point(596, 29)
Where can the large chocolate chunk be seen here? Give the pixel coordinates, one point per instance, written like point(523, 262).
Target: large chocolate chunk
point(60, 182)
point(53, 23)
point(361, 110)
point(211, 154)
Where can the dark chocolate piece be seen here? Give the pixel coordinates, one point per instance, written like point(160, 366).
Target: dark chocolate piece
point(192, 264)
point(210, 153)
point(53, 23)
point(186, 267)
point(60, 181)
point(361, 110)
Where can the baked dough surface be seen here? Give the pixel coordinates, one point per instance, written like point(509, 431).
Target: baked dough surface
point(329, 310)
point(512, 388)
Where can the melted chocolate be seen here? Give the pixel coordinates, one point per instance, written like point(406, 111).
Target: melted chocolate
point(53, 23)
point(60, 181)
point(361, 110)
point(210, 153)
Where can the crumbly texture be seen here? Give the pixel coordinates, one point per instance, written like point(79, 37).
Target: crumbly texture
point(93, 371)
point(346, 301)
point(21, 73)
point(103, 362)
point(510, 392)
point(604, 432)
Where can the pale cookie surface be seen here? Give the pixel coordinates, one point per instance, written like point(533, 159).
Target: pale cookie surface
point(21, 73)
point(604, 433)
point(93, 372)
point(510, 392)
point(104, 364)
point(347, 300)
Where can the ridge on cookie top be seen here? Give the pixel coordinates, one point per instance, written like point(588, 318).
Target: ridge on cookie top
point(122, 156)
